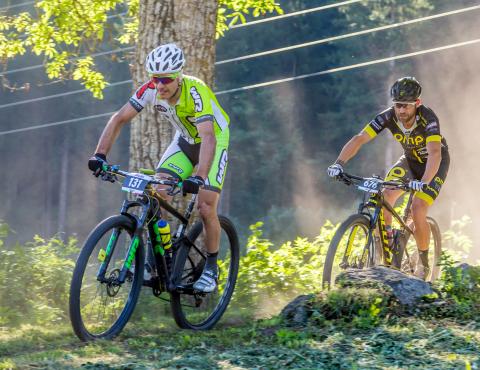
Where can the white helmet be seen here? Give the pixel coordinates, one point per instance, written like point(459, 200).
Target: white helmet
point(166, 58)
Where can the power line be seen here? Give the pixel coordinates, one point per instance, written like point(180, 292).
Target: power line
point(268, 52)
point(348, 35)
point(33, 2)
point(59, 95)
point(55, 123)
point(270, 83)
point(17, 5)
point(235, 26)
point(352, 66)
point(288, 48)
point(119, 50)
point(300, 12)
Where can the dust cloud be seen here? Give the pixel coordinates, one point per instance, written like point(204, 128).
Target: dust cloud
point(451, 84)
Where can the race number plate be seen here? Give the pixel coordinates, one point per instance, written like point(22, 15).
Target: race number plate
point(135, 183)
point(369, 185)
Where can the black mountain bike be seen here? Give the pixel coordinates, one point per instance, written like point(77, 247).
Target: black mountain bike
point(361, 240)
point(109, 272)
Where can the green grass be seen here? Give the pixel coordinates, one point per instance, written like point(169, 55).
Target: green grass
point(399, 343)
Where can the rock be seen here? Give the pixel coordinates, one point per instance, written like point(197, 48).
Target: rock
point(298, 311)
point(406, 288)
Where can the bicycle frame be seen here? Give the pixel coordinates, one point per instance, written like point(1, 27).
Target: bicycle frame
point(149, 214)
point(377, 218)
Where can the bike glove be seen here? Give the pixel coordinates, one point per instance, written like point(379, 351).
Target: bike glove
point(416, 185)
point(96, 162)
point(192, 184)
point(335, 170)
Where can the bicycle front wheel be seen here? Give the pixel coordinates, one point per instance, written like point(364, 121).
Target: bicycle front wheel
point(201, 311)
point(410, 255)
point(349, 248)
point(100, 304)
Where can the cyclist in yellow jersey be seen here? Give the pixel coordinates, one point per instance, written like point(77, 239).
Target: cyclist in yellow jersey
point(198, 154)
point(425, 160)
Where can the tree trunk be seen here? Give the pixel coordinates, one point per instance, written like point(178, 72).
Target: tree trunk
point(191, 25)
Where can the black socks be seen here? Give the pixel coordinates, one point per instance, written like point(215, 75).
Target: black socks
point(211, 261)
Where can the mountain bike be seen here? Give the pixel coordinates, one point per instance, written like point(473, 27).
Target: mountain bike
point(109, 272)
point(361, 240)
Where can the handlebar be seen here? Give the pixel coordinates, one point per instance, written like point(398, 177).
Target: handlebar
point(349, 179)
point(110, 173)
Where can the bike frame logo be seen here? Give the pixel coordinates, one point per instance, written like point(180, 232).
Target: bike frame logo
point(133, 249)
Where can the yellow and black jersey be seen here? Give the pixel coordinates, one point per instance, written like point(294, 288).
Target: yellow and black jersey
point(413, 140)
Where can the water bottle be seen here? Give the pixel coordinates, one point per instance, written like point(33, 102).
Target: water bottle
point(166, 238)
point(158, 247)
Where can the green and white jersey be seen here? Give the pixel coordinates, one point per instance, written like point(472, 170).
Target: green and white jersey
point(197, 103)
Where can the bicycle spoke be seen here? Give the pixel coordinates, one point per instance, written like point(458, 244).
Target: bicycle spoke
point(201, 310)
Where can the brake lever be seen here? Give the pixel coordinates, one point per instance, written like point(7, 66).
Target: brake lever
point(109, 177)
point(344, 179)
point(172, 192)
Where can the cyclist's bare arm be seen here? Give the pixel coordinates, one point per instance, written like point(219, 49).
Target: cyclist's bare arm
point(113, 127)
point(352, 147)
point(434, 150)
point(207, 148)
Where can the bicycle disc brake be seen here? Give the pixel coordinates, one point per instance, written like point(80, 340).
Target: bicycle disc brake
point(112, 284)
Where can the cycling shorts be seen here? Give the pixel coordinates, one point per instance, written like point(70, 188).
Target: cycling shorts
point(180, 158)
point(405, 169)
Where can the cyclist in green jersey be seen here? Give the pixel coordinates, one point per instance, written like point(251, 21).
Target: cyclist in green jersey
point(425, 160)
point(198, 154)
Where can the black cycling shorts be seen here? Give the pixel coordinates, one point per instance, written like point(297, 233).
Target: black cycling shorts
point(407, 169)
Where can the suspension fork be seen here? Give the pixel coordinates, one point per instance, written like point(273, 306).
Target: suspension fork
point(379, 219)
point(107, 255)
point(144, 203)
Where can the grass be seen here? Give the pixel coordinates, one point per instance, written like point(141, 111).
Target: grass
point(397, 343)
point(349, 328)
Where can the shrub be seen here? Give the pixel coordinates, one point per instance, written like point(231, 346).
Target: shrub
point(35, 280)
point(273, 275)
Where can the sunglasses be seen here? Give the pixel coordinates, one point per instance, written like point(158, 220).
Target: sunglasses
point(164, 80)
point(403, 105)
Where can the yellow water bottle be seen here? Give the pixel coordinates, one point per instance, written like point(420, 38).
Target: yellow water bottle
point(164, 229)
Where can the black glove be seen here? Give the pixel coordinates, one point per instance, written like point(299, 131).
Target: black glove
point(96, 162)
point(192, 184)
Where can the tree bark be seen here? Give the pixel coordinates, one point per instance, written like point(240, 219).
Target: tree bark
point(191, 25)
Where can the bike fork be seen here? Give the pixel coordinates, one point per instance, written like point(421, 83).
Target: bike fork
point(106, 256)
point(130, 255)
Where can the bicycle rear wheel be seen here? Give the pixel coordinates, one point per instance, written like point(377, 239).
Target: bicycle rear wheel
point(349, 248)
point(101, 309)
point(201, 311)
point(410, 257)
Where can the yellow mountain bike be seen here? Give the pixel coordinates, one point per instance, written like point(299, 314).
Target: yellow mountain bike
point(361, 240)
